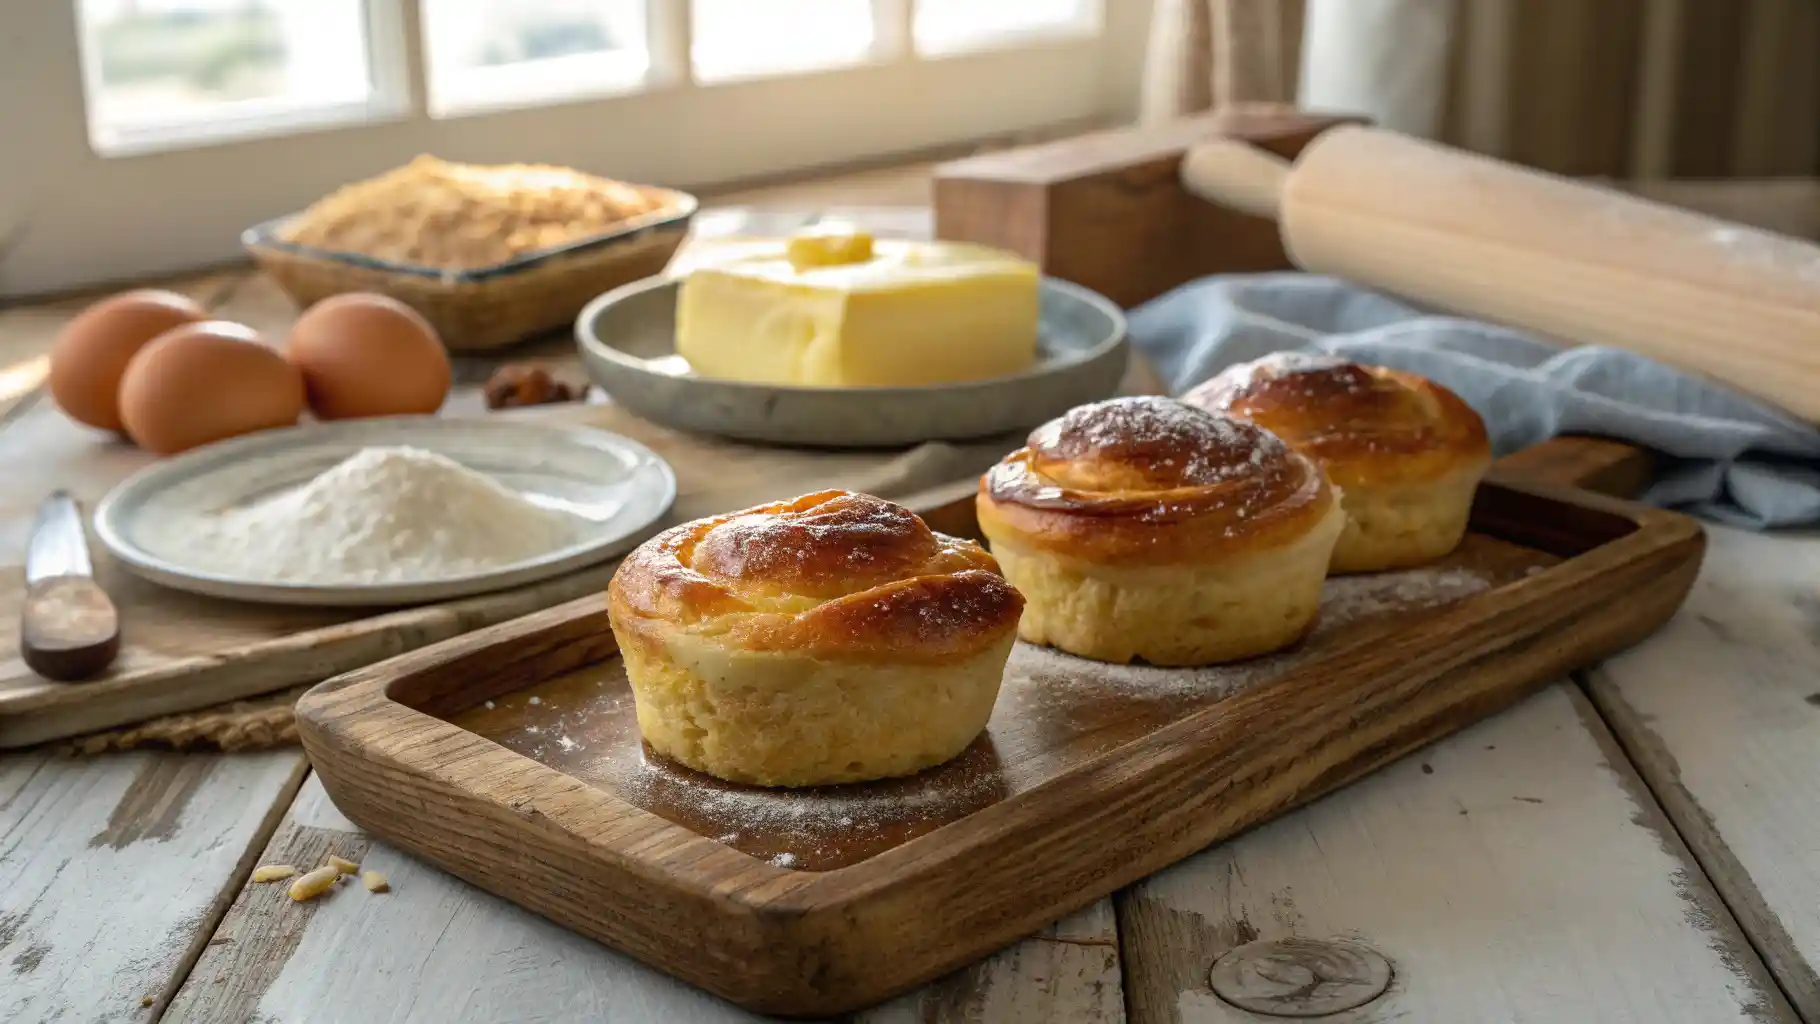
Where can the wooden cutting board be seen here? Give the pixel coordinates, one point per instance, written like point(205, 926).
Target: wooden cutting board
point(511, 758)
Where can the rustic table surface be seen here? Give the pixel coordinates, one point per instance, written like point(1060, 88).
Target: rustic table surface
point(1637, 843)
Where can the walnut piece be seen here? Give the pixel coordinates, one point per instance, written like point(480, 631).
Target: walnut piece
point(522, 384)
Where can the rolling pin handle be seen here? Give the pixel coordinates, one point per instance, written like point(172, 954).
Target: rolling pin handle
point(1236, 175)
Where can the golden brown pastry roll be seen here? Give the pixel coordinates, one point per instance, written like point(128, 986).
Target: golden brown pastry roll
point(1144, 528)
point(1406, 453)
point(830, 638)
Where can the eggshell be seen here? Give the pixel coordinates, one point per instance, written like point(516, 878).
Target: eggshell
point(204, 382)
point(368, 355)
point(90, 354)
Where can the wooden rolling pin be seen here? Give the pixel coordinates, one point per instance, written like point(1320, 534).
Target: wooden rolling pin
point(1583, 264)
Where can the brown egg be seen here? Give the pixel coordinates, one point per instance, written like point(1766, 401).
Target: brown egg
point(369, 355)
point(90, 354)
point(205, 382)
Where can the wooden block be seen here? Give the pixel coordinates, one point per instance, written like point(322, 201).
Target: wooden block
point(1107, 211)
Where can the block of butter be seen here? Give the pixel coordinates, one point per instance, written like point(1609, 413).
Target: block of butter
point(841, 309)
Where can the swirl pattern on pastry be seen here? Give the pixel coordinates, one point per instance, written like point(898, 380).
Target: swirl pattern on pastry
point(1364, 424)
point(1150, 480)
point(831, 575)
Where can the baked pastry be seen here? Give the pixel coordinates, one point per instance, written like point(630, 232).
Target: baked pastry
point(830, 638)
point(1143, 528)
point(1406, 453)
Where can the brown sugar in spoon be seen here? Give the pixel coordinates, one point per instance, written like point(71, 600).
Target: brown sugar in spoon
point(69, 629)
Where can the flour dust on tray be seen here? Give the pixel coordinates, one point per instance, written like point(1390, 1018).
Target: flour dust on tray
point(384, 515)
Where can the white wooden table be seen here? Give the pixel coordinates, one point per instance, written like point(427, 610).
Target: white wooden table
point(1639, 844)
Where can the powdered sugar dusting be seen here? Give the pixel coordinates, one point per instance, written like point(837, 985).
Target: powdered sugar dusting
point(1346, 601)
point(1147, 421)
point(1753, 249)
point(1239, 378)
point(1312, 376)
point(818, 828)
point(857, 538)
point(1170, 441)
point(1054, 710)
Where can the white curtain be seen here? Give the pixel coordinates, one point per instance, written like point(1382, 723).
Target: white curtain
point(1385, 59)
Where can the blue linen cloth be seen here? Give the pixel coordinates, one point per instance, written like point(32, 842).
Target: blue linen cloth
point(1733, 459)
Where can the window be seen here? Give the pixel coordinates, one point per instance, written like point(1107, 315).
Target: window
point(739, 38)
point(189, 69)
point(484, 54)
point(159, 129)
point(953, 26)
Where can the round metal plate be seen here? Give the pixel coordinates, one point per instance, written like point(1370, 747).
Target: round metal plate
point(1300, 977)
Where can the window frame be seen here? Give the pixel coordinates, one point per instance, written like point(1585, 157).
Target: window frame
point(389, 61)
point(71, 216)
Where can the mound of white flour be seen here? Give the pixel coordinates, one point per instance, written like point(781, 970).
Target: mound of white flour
point(385, 515)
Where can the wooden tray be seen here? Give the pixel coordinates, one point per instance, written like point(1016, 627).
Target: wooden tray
point(510, 757)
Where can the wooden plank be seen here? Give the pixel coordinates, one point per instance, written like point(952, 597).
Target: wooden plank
point(1721, 713)
point(1516, 872)
point(114, 870)
point(435, 949)
point(1069, 973)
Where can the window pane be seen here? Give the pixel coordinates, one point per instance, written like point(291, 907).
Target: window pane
point(743, 38)
point(948, 25)
point(486, 53)
point(153, 63)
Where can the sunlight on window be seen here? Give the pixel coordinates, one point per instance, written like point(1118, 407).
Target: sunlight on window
point(491, 53)
point(746, 38)
point(946, 26)
point(161, 63)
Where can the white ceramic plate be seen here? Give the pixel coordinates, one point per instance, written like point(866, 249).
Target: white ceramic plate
point(620, 488)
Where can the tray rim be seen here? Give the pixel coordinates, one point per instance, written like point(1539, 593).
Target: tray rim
point(769, 905)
